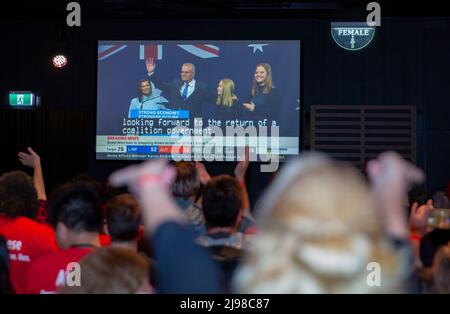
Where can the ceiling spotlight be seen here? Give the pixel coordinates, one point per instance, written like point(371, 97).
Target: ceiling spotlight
point(59, 61)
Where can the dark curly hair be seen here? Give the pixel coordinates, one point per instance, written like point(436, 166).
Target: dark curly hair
point(77, 205)
point(123, 217)
point(18, 196)
point(221, 201)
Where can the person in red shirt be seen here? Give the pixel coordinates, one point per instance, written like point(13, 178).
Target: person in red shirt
point(74, 211)
point(26, 238)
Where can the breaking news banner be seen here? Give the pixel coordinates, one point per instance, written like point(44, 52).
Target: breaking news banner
point(198, 100)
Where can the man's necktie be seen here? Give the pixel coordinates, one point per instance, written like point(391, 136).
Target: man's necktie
point(185, 90)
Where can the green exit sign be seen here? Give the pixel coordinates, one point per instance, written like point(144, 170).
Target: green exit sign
point(21, 98)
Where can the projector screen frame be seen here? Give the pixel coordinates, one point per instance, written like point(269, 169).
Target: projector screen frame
point(301, 107)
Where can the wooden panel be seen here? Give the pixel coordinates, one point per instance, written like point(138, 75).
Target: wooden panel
point(359, 133)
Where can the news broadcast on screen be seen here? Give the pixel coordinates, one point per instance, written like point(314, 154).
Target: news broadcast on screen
point(198, 100)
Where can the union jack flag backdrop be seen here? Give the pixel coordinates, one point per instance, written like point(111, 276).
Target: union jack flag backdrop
point(150, 51)
point(106, 51)
point(156, 51)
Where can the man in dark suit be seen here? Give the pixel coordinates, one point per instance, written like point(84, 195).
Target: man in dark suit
point(185, 93)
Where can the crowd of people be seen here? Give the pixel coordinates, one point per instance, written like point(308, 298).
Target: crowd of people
point(321, 226)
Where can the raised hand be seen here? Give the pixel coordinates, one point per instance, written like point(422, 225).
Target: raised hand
point(391, 176)
point(418, 218)
point(242, 166)
point(202, 172)
point(150, 64)
point(31, 159)
point(138, 178)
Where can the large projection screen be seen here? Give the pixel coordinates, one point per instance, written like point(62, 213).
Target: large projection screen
point(198, 100)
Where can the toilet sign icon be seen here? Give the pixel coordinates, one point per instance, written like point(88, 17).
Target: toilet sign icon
point(352, 35)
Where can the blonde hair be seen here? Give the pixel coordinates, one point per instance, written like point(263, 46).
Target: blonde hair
point(318, 231)
point(227, 97)
point(111, 270)
point(268, 85)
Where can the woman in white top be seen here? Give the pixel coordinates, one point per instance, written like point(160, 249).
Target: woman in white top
point(149, 98)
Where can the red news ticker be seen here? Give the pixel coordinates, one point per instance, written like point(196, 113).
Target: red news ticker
point(122, 138)
point(176, 149)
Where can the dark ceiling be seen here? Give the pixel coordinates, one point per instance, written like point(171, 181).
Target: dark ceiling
point(142, 9)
